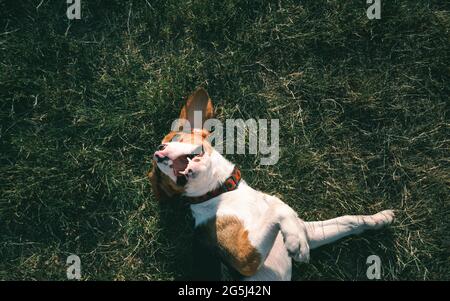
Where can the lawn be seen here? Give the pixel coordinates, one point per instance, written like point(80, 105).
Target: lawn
point(363, 107)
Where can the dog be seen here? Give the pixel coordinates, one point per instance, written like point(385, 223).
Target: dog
point(254, 234)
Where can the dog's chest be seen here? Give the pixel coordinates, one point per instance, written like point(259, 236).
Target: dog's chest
point(224, 224)
point(244, 203)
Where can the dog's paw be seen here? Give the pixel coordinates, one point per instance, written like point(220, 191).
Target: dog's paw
point(297, 247)
point(294, 234)
point(380, 219)
point(385, 217)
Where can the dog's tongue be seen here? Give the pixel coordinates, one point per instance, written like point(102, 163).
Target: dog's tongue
point(180, 164)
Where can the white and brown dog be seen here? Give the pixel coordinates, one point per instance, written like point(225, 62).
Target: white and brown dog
point(255, 234)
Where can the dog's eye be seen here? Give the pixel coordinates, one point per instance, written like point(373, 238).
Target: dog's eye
point(191, 156)
point(175, 138)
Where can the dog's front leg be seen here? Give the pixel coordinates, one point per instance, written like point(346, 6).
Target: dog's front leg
point(279, 217)
point(325, 232)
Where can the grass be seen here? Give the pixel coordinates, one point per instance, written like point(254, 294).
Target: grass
point(363, 108)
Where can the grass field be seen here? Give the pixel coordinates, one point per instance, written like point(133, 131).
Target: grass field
point(363, 108)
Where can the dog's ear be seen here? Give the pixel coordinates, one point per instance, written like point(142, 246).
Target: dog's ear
point(198, 101)
point(162, 186)
point(154, 180)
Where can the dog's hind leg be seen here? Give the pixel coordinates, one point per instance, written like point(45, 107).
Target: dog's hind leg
point(324, 232)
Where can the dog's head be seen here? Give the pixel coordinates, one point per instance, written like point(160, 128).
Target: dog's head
point(183, 159)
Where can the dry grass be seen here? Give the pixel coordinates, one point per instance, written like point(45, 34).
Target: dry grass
point(363, 107)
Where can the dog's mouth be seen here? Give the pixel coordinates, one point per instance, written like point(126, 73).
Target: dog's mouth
point(181, 168)
point(180, 164)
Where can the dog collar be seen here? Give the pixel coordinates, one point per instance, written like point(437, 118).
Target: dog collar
point(230, 184)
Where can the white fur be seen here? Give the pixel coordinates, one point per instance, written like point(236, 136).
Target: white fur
point(274, 228)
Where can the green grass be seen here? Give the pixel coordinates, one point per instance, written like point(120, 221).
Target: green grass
point(363, 108)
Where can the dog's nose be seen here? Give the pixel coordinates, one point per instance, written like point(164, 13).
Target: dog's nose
point(160, 157)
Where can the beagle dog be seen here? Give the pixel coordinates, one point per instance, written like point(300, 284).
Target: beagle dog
point(254, 234)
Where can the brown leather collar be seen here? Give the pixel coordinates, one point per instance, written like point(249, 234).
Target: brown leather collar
point(230, 184)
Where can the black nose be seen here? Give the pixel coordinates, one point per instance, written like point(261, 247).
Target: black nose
point(162, 147)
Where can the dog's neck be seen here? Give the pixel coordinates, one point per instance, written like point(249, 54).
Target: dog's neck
point(219, 170)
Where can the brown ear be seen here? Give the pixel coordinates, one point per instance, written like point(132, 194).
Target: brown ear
point(198, 101)
point(154, 179)
point(163, 187)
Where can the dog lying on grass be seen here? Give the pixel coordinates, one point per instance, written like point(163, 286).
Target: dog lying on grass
point(255, 234)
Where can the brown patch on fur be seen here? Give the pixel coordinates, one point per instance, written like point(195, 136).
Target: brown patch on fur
point(169, 137)
point(196, 137)
point(198, 101)
point(228, 233)
point(163, 187)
